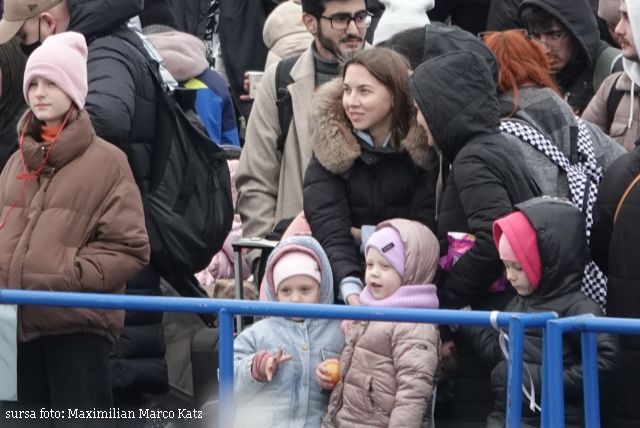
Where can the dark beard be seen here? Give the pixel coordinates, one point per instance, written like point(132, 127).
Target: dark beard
point(332, 47)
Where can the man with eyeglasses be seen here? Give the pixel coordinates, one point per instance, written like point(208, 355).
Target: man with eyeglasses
point(568, 33)
point(269, 177)
point(616, 106)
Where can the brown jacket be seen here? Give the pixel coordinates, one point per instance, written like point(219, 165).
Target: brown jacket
point(596, 111)
point(387, 376)
point(78, 226)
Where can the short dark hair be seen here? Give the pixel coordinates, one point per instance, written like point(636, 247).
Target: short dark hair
point(535, 18)
point(316, 7)
point(409, 43)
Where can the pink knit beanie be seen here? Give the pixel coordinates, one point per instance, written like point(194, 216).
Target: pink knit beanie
point(389, 242)
point(295, 263)
point(505, 250)
point(523, 240)
point(62, 59)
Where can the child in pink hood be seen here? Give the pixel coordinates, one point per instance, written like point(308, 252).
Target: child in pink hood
point(543, 247)
point(388, 369)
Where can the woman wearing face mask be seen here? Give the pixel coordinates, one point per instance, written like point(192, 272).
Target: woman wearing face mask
point(371, 162)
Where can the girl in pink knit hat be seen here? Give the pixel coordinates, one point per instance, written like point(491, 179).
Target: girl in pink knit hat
point(388, 369)
point(276, 359)
point(71, 220)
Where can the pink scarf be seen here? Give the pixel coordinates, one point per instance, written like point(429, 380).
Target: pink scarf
point(407, 296)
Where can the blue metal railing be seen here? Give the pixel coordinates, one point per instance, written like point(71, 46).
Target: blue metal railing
point(227, 309)
point(589, 326)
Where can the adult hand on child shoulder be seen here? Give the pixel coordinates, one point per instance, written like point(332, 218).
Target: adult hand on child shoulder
point(328, 373)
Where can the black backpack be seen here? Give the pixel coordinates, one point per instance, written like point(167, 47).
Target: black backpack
point(188, 207)
point(283, 99)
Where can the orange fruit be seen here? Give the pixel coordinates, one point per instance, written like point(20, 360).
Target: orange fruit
point(332, 368)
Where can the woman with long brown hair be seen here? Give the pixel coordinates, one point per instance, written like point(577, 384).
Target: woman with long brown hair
point(371, 161)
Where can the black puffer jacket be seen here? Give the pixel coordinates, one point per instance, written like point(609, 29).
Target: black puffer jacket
point(563, 252)
point(348, 183)
point(122, 105)
point(457, 95)
point(576, 78)
point(614, 247)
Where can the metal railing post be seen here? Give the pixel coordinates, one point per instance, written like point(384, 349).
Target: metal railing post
point(514, 378)
point(544, 417)
point(226, 390)
point(555, 403)
point(590, 380)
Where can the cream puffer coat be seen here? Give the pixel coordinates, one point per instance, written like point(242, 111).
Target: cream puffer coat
point(388, 374)
point(388, 369)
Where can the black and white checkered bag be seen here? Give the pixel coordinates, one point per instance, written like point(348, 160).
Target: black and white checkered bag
point(583, 177)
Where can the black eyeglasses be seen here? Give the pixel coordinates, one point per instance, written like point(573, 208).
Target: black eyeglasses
point(552, 37)
point(341, 21)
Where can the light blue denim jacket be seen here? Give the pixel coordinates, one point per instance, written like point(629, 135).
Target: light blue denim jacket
point(293, 398)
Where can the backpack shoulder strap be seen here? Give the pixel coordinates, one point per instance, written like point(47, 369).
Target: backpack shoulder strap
point(604, 65)
point(613, 101)
point(283, 98)
point(533, 137)
point(624, 196)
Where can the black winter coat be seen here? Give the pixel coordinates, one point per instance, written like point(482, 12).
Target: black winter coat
point(348, 183)
point(487, 176)
point(122, 105)
point(614, 247)
point(563, 254)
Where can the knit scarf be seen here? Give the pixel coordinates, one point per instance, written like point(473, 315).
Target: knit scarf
point(421, 296)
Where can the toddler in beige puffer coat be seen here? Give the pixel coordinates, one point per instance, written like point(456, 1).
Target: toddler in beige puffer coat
point(388, 369)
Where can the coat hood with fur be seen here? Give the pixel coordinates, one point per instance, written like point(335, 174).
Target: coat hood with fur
point(334, 142)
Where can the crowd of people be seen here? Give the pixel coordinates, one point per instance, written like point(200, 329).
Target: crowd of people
point(469, 154)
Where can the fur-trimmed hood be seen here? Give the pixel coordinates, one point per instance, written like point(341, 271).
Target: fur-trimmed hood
point(334, 142)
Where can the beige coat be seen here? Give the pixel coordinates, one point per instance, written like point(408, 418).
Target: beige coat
point(270, 183)
point(387, 372)
point(79, 226)
point(596, 111)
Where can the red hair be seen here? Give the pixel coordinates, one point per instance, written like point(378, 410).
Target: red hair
point(521, 61)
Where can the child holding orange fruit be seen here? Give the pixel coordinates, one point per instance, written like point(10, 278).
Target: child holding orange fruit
point(388, 369)
point(276, 359)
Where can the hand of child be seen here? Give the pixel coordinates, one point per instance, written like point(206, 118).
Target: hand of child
point(449, 356)
point(265, 366)
point(353, 300)
point(344, 326)
point(271, 366)
point(328, 373)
